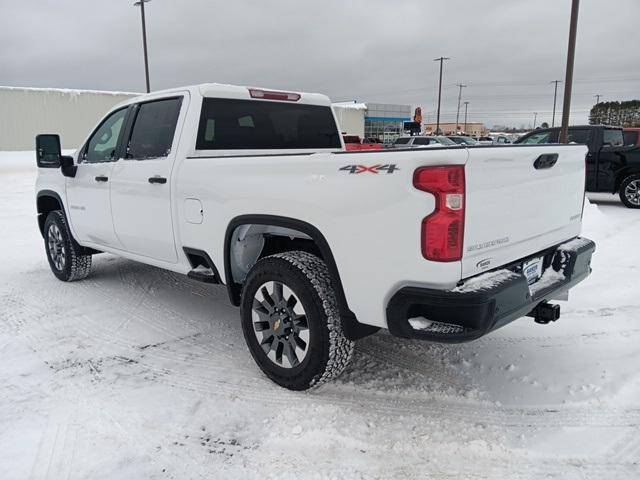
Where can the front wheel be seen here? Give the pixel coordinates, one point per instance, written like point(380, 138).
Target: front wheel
point(630, 191)
point(65, 256)
point(291, 322)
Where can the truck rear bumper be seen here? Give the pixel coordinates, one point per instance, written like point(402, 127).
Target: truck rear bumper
point(488, 301)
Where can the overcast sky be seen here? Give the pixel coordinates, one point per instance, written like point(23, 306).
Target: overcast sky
point(506, 51)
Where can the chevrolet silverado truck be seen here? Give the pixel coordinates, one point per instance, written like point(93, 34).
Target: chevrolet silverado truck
point(613, 165)
point(252, 189)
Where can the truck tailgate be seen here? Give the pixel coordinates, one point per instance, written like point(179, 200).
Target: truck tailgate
point(519, 202)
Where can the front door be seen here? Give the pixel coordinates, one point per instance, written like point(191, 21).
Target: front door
point(141, 182)
point(88, 193)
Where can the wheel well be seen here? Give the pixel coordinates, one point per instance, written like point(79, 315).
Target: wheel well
point(46, 204)
point(251, 237)
point(622, 175)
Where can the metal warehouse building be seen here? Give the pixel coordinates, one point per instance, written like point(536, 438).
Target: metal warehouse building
point(25, 112)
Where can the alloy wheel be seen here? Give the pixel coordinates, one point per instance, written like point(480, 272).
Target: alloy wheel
point(280, 324)
point(56, 247)
point(632, 192)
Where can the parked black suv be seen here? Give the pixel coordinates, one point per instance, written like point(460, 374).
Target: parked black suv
point(611, 165)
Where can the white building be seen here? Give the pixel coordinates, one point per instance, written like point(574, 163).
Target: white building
point(350, 117)
point(25, 112)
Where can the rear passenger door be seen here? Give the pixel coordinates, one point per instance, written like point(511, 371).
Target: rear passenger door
point(141, 181)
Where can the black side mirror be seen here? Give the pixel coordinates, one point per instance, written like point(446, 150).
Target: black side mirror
point(67, 167)
point(48, 152)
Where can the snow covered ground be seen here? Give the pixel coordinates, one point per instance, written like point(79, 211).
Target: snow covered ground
point(138, 373)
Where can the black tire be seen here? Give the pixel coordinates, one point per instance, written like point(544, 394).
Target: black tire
point(630, 191)
point(73, 264)
point(328, 351)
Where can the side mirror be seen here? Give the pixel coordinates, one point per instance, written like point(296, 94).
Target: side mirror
point(48, 152)
point(67, 167)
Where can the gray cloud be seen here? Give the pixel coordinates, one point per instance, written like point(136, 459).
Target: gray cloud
point(369, 50)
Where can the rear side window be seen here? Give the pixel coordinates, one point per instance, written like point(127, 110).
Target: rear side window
point(631, 137)
point(249, 124)
point(153, 130)
point(612, 138)
point(421, 141)
point(582, 136)
point(401, 141)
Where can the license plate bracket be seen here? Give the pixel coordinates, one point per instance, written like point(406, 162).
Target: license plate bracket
point(532, 269)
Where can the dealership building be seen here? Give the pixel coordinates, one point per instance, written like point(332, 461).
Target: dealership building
point(372, 120)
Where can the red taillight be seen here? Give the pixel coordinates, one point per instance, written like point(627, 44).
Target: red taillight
point(270, 95)
point(443, 230)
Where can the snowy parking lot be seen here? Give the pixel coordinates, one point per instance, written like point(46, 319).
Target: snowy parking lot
point(139, 373)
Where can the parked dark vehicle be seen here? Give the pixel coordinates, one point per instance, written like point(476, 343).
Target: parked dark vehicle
point(612, 165)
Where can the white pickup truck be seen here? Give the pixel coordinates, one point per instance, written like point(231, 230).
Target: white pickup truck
point(252, 189)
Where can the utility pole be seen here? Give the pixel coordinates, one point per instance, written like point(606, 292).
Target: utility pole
point(568, 79)
point(441, 60)
point(466, 105)
point(597, 99)
point(140, 3)
point(535, 118)
point(461, 86)
point(555, 96)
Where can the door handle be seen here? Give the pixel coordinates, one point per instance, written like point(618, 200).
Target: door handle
point(101, 178)
point(157, 180)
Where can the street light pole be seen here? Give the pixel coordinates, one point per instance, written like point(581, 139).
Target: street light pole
point(597, 99)
point(140, 4)
point(441, 60)
point(466, 105)
point(555, 96)
point(535, 118)
point(568, 79)
point(461, 86)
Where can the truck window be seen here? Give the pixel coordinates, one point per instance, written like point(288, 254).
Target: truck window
point(631, 137)
point(580, 135)
point(102, 145)
point(402, 141)
point(153, 130)
point(421, 141)
point(612, 138)
point(542, 137)
point(249, 124)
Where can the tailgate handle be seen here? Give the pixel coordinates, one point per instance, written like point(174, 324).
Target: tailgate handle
point(546, 160)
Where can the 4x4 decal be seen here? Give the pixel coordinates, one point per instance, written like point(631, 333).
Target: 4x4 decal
point(372, 169)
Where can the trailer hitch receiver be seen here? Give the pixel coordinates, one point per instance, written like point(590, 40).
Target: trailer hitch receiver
point(545, 313)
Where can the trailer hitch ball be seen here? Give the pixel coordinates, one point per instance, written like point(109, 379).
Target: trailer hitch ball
point(545, 313)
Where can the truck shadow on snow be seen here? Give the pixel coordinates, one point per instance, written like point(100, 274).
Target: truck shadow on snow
point(185, 328)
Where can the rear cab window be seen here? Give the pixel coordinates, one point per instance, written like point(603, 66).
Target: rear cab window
point(230, 124)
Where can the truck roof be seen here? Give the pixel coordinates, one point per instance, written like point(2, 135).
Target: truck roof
point(220, 90)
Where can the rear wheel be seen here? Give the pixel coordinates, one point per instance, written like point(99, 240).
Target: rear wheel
point(66, 257)
point(630, 191)
point(291, 322)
